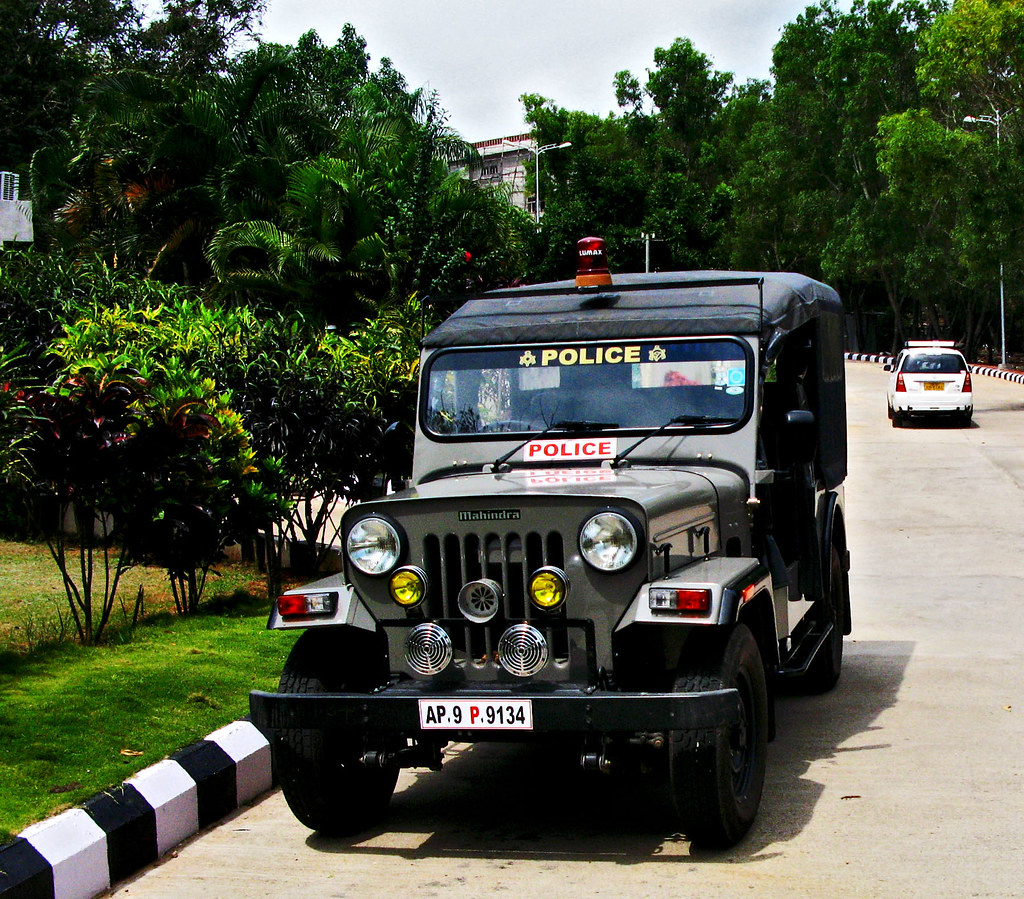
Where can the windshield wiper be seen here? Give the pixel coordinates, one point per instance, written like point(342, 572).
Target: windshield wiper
point(678, 420)
point(557, 426)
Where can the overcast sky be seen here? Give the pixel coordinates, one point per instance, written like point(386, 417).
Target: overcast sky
point(481, 56)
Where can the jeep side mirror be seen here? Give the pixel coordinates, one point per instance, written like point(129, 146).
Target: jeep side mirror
point(801, 435)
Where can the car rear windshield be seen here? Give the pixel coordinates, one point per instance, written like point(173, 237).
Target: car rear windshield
point(938, 363)
point(628, 385)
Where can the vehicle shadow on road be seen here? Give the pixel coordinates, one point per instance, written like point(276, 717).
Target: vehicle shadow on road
point(823, 728)
point(937, 424)
point(534, 802)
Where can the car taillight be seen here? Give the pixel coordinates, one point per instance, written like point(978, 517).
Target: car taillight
point(967, 383)
point(900, 386)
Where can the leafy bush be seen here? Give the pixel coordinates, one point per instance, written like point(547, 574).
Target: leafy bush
point(42, 295)
point(146, 467)
point(82, 464)
point(245, 424)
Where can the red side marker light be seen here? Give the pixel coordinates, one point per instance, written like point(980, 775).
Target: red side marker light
point(686, 601)
point(296, 605)
point(592, 263)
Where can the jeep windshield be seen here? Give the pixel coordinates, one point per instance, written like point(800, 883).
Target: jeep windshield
point(637, 385)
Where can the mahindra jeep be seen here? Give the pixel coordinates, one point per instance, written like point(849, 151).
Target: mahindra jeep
point(624, 527)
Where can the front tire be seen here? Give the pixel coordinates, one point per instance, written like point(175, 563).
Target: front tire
point(716, 776)
point(322, 776)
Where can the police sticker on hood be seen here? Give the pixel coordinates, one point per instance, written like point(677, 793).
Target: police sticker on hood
point(576, 449)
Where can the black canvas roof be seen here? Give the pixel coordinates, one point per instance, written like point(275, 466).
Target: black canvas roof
point(675, 304)
point(653, 305)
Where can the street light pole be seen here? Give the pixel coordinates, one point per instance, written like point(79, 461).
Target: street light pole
point(536, 152)
point(996, 120)
point(536, 155)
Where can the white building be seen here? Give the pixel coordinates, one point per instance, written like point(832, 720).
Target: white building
point(15, 213)
point(505, 160)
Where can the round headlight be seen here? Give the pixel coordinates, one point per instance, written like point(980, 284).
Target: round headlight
point(373, 546)
point(548, 588)
point(408, 586)
point(608, 541)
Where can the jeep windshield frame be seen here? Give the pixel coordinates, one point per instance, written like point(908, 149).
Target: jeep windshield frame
point(498, 392)
point(773, 309)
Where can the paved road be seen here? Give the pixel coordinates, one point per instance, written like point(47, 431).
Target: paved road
point(907, 780)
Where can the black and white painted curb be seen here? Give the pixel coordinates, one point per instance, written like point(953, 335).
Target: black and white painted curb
point(84, 851)
point(991, 371)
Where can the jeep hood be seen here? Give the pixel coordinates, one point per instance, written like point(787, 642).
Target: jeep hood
point(659, 490)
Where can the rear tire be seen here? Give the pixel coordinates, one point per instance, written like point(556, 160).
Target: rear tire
point(824, 672)
point(716, 776)
point(322, 776)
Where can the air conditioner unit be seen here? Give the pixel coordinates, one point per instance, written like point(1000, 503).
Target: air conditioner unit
point(8, 186)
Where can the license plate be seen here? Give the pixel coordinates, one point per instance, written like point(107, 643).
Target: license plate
point(934, 385)
point(476, 714)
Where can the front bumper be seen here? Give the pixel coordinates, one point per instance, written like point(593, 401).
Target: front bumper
point(395, 712)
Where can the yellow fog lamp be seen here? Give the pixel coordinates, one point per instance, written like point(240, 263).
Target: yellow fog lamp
point(408, 586)
point(548, 588)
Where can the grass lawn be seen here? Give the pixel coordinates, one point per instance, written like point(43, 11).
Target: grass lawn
point(77, 720)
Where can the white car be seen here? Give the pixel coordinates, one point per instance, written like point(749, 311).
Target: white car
point(930, 377)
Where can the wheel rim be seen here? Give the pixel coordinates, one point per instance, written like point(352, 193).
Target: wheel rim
point(741, 741)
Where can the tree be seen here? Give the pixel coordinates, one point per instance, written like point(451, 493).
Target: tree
point(809, 192)
point(51, 49)
point(330, 72)
point(160, 164)
point(638, 173)
point(57, 48)
point(970, 76)
point(973, 57)
point(687, 91)
point(194, 38)
point(378, 218)
point(628, 93)
point(599, 186)
point(933, 192)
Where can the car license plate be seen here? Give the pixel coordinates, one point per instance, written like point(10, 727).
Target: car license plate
point(934, 385)
point(476, 714)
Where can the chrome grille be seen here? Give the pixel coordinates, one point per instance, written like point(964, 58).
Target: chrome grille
point(453, 560)
point(508, 559)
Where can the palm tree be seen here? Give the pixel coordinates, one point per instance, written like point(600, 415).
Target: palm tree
point(156, 166)
point(383, 216)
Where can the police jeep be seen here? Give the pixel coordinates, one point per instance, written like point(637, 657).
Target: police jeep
point(624, 528)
